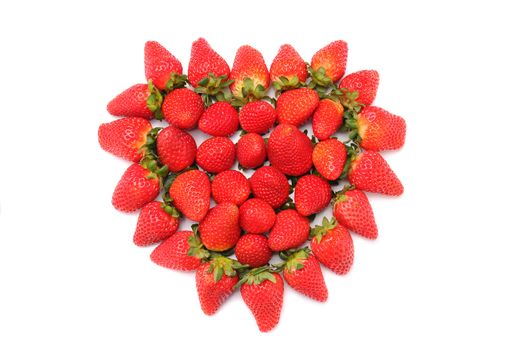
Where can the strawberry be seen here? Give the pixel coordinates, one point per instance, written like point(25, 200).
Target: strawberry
point(220, 119)
point(230, 186)
point(263, 293)
point(251, 151)
point(249, 73)
point(353, 210)
point(191, 194)
point(161, 66)
point(327, 119)
point(182, 251)
point(296, 106)
point(270, 184)
point(257, 117)
point(332, 58)
point(175, 148)
point(333, 246)
point(290, 150)
point(219, 230)
point(329, 158)
point(289, 231)
point(137, 187)
point(379, 130)
point(216, 154)
point(371, 173)
point(256, 216)
point(183, 108)
point(252, 250)
point(204, 61)
point(303, 273)
point(125, 137)
point(156, 222)
point(288, 69)
point(365, 82)
point(140, 100)
point(312, 195)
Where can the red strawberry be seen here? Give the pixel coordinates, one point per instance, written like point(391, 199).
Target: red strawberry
point(183, 108)
point(257, 117)
point(204, 61)
point(251, 151)
point(137, 187)
point(220, 119)
point(333, 246)
point(160, 65)
point(288, 64)
point(353, 210)
point(230, 186)
point(252, 250)
point(256, 216)
point(191, 194)
point(380, 130)
point(289, 231)
point(156, 222)
point(333, 58)
point(182, 251)
point(220, 230)
point(296, 106)
point(327, 119)
point(303, 273)
point(263, 293)
point(133, 102)
point(371, 173)
point(125, 137)
point(290, 150)
point(270, 184)
point(365, 82)
point(249, 64)
point(329, 158)
point(175, 148)
point(216, 154)
point(312, 195)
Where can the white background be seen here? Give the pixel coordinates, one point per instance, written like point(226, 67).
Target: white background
point(448, 269)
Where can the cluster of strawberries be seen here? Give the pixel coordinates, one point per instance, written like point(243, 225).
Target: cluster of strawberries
point(252, 218)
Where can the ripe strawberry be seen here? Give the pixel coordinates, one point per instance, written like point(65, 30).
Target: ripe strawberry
point(230, 186)
point(160, 65)
point(288, 64)
point(371, 173)
point(333, 58)
point(380, 130)
point(329, 158)
point(182, 251)
point(175, 148)
point(220, 119)
point(365, 82)
point(191, 194)
point(216, 154)
point(251, 151)
point(263, 293)
point(312, 195)
point(252, 250)
point(333, 246)
point(135, 102)
point(289, 231)
point(296, 106)
point(125, 137)
point(137, 187)
point(256, 216)
point(270, 184)
point(257, 117)
point(248, 64)
point(156, 222)
point(183, 108)
point(327, 119)
point(290, 150)
point(303, 273)
point(353, 210)
point(204, 61)
point(220, 230)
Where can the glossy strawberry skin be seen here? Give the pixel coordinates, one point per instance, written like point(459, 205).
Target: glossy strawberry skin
point(160, 64)
point(248, 63)
point(134, 189)
point(183, 108)
point(124, 137)
point(354, 212)
point(312, 195)
point(191, 194)
point(327, 119)
point(172, 253)
point(265, 301)
point(252, 249)
point(251, 151)
point(256, 216)
point(216, 154)
point(290, 150)
point(257, 117)
point(176, 148)
point(371, 173)
point(365, 82)
point(333, 58)
point(288, 63)
point(131, 103)
point(154, 224)
point(213, 294)
point(204, 60)
point(220, 119)
point(335, 250)
point(380, 130)
point(289, 231)
point(329, 158)
point(296, 106)
point(220, 230)
point(308, 279)
point(270, 184)
point(230, 186)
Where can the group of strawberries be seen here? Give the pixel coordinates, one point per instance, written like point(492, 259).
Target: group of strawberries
point(252, 218)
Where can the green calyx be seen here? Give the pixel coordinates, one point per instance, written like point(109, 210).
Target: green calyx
point(197, 249)
point(151, 163)
point(170, 210)
point(249, 92)
point(211, 89)
point(320, 231)
point(340, 196)
point(296, 260)
point(176, 81)
point(320, 82)
point(154, 100)
point(352, 150)
point(257, 276)
point(283, 84)
point(221, 265)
